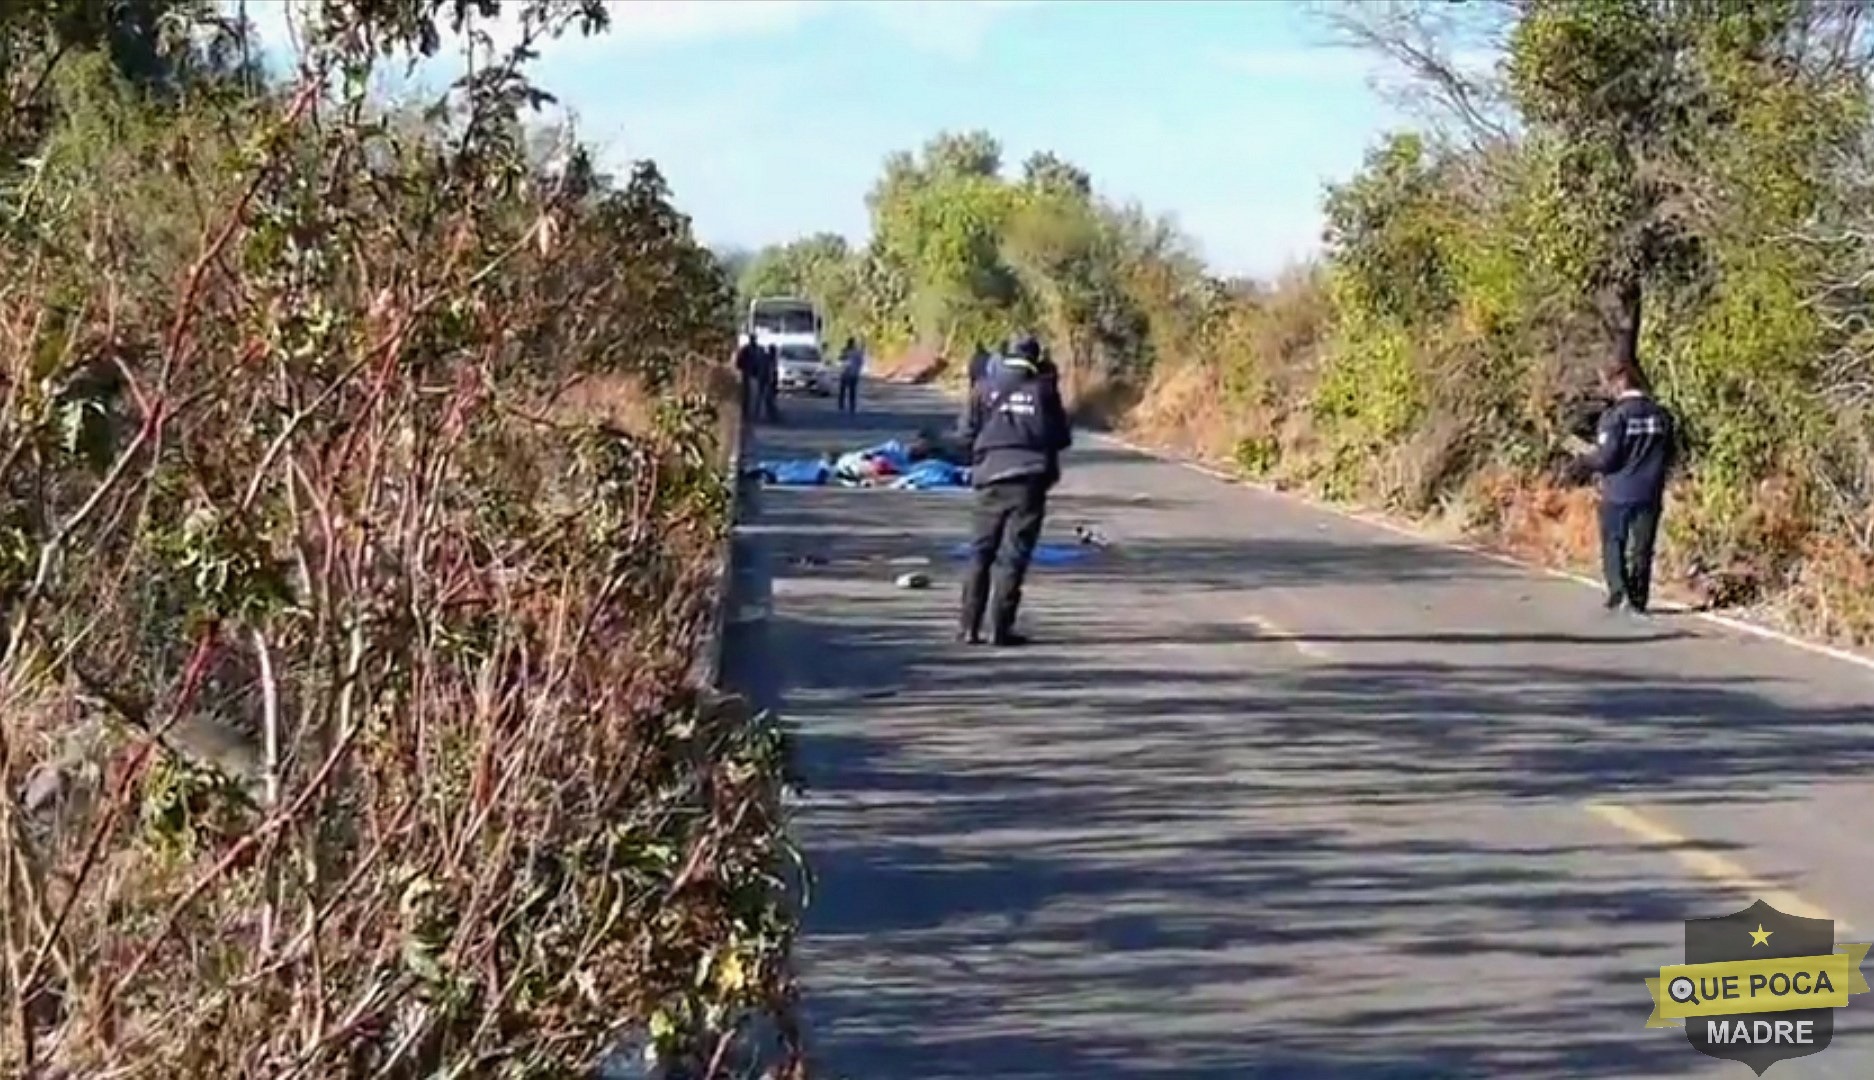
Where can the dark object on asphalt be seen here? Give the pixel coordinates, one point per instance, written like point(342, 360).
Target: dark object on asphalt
point(1635, 448)
point(1016, 429)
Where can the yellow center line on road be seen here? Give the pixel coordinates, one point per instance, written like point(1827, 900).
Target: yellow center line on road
point(1709, 864)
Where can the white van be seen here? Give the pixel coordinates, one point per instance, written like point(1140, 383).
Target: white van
point(793, 326)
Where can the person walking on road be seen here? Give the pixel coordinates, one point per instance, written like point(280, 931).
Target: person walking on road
point(1017, 428)
point(1635, 448)
point(749, 358)
point(851, 366)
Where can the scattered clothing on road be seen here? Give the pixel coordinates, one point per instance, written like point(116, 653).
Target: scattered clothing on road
point(933, 475)
point(923, 465)
point(797, 473)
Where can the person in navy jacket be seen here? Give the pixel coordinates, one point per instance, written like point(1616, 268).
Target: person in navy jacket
point(1017, 428)
point(1635, 449)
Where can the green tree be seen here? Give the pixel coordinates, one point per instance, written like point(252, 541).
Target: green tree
point(954, 155)
point(1046, 172)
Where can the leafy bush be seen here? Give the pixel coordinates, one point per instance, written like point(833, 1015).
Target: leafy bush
point(347, 678)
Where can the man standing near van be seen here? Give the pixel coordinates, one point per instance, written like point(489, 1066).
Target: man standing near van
point(851, 366)
point(1017, 429)
point(771, 383)
point(1635, 449)
point(748, 363)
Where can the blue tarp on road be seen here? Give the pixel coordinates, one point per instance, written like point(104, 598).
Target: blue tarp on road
point(1045, 554)
point(930, 475)
point(889, 464)
point(805, 473)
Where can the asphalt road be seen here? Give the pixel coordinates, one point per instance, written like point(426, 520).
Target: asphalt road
point(1277, 793)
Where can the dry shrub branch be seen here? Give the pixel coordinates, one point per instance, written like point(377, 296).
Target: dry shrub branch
point(346, 726)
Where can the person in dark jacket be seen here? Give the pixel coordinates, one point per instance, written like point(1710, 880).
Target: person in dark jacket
point(749, 358)
point(1016, 428)
point(851, 368)
point(979, 365)
point(771, 383)
point(1635, 448)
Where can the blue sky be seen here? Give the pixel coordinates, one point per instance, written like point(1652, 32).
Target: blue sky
point(771, 119)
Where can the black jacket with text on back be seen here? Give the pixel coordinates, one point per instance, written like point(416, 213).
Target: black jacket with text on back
point(1636, 445)
point(1016, 426)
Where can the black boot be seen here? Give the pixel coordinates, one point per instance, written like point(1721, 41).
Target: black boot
point(975, 602)
point(1006, 602)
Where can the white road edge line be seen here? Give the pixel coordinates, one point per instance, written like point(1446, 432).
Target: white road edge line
point(1739, 625)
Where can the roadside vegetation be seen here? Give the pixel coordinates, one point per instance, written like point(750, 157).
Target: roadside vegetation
point(1687, 182)
point(362, 495)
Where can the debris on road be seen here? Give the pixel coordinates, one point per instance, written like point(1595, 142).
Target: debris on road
point(1045, 554)
point(913, 581)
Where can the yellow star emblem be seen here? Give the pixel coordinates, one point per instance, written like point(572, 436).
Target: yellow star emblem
point(1760, 936)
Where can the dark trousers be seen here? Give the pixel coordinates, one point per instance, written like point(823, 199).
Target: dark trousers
point(769, 390)
point(751, 397)
point(1006, 524)
point(1628, 532)
point(849, 393)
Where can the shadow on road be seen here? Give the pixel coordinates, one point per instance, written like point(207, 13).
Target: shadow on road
point(1128, 852)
